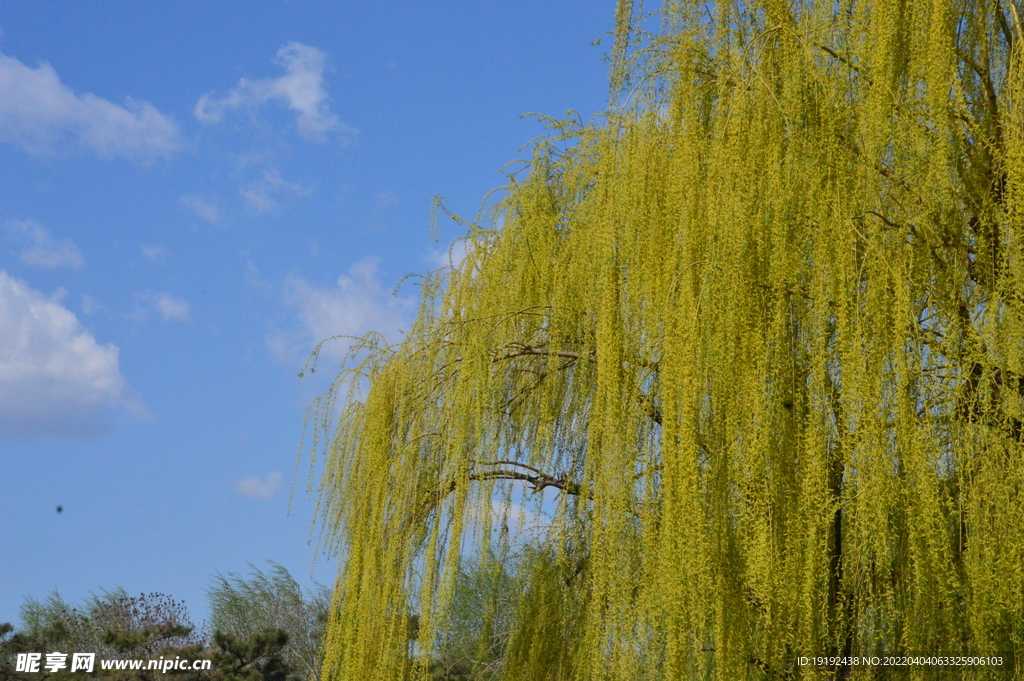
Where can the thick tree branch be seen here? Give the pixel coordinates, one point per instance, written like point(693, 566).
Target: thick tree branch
point(513, 350)
point(1004, 26)
point(538, 480)
point(522, 350)
point(972, 409)
point(845, 61)
point(527, 350)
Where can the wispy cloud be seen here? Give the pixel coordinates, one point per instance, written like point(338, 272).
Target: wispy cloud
point(452, 256)
point(524, 513)
point(260, 488)
point(55, 379)
point(200, 207)
point(355, 306)
point(259, 195)
point(383, 202)
point(38, 111)
point(301, 89)
point(41, 249)
point(89, 305)
point(154, 251)
point(171, 308)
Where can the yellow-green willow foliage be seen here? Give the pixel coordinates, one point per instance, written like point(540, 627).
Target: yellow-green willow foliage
point(761, 329)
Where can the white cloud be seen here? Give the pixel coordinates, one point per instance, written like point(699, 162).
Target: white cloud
point(523, 513)
point(171, 308)
point(41, 249)
point(55, 379)
point(452, 256)
point(301, 89)
point(166, 305)
point(384, 201)
point(89, 304)
point(37, 111)
point(259, 195)
point(200, 207)
point(154, 251)
point(357, 305)
point(260, 488)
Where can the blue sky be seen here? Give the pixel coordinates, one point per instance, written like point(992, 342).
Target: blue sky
point(193, 195)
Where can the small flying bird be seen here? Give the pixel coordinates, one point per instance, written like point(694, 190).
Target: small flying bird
point(60, 509)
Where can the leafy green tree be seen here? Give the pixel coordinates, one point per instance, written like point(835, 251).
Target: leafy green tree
point(473, 641)
point(246, 607)
point(111, 625)
point(265, 628)
point(762, 328)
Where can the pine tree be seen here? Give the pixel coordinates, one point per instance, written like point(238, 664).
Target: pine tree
point(761, 327)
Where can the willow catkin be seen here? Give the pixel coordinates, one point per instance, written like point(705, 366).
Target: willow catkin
point(760, 328)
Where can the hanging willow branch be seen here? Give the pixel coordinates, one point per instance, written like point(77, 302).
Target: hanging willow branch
point(728, 377)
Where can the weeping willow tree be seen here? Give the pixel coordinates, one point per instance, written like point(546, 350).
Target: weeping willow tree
point(761, 329)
